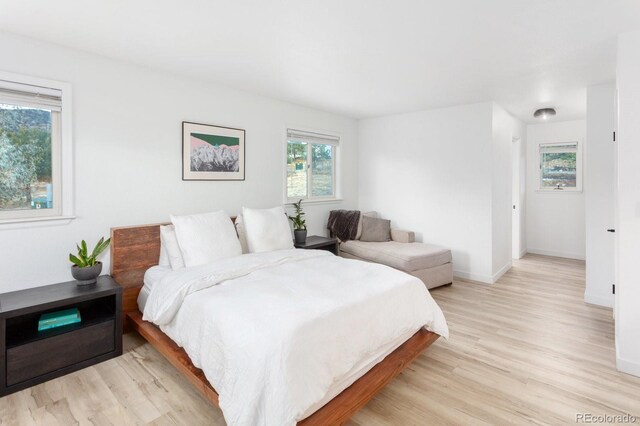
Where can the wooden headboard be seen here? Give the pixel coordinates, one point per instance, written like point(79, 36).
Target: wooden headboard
point(134, 249)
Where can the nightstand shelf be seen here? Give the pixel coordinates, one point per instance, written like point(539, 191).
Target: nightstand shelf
point(316, 242)
point(29, 356)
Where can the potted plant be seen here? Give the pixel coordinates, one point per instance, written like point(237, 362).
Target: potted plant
point(86, 268)
point(299, 224)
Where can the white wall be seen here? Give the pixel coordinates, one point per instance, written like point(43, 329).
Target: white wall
point(555, 220)
point(430, 172)
point(628, 205)
point(127, 135)
point(599, 198)
point(505, 128)
point(436, 172)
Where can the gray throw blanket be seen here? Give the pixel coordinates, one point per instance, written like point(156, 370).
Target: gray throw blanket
point(343, 224)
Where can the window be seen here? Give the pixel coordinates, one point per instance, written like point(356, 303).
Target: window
point(560, 167)
point(311, 165)
point(31, 149)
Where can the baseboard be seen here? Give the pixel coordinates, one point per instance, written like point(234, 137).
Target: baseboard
point(556, 254)
point(481, 278)
point(500, 272)
point(599, 299)
point(465, 275)
point(519, 255)
point(628, 367)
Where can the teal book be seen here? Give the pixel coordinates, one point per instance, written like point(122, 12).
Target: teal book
point(58, 319)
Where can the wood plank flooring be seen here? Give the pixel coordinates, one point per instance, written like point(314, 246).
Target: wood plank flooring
point(524, 350)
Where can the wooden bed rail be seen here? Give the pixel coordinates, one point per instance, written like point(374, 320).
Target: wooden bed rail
point(335, 412)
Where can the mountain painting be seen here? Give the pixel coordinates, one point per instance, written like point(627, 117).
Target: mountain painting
point(212, 152)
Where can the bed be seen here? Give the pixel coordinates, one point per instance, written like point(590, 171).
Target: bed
point(178, 303)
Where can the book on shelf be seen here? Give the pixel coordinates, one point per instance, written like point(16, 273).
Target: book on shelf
point(58, 319)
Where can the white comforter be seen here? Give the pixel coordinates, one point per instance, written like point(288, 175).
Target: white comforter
point(273, 331)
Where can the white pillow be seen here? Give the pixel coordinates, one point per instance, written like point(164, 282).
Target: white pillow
point(207, 237)
point(164, 256)
point(242, 235)
point(169, 243)
point(267, 229)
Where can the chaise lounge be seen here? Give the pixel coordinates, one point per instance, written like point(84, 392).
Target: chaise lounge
point(431, 263)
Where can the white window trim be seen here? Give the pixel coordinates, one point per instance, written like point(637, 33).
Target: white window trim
point(309, 199)
point(65, 166)
point(579, 171)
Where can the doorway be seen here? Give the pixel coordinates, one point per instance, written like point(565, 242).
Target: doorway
point(517, 199)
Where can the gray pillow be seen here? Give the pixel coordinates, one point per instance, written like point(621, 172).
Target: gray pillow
point(375, 230)
point(359, 231)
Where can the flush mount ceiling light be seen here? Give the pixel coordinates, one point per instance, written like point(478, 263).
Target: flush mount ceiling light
point(544, 113)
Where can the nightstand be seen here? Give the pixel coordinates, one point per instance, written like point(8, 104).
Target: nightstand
point(29, 357)
point(316, 242)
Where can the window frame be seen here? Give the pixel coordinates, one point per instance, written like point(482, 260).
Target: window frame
point(61, 156)
point(579, 170)
point(335, 159)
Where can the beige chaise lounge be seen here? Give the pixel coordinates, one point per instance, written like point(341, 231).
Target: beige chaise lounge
point(432, 264)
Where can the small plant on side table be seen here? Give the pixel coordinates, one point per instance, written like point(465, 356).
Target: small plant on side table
point(299, 223)
point(86, 268)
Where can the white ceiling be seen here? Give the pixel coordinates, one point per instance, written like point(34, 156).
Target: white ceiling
point(360, 58)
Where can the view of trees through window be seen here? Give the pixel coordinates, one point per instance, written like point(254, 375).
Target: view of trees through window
point(296, 169)
point(321, 170)
point(25, 158)
point(558, 169)
point(302, 170)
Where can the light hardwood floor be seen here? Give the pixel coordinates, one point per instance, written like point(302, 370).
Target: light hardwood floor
point(526, 349)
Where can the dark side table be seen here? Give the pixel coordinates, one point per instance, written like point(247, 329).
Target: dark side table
point(316, 242)
point(29, 356)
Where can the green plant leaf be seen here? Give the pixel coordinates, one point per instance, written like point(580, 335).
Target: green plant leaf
point(76, 261)
point(95, 249)
point(81, 256)
point(100, 247)
point(83, 259)
point(298, 220)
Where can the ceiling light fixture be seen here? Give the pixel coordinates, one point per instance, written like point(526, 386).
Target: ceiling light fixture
point(544, 113)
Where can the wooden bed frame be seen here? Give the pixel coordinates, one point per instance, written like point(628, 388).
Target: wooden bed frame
point(135, 249)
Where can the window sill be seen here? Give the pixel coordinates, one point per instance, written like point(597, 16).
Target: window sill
point(316, 201)
point(559, 191)
point(35, 222)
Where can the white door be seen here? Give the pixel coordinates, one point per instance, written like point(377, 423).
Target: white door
point(515, 199)
point(614, 209)
point(600, 199)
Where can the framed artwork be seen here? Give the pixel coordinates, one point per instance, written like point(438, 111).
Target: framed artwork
point(212, 152)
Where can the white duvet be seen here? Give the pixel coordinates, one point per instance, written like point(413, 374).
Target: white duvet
point(274, 331)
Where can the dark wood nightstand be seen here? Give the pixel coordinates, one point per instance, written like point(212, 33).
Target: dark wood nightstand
point(29, 356)
point(316, 242)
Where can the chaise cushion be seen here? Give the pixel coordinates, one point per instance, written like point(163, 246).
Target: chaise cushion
point(404, 256)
